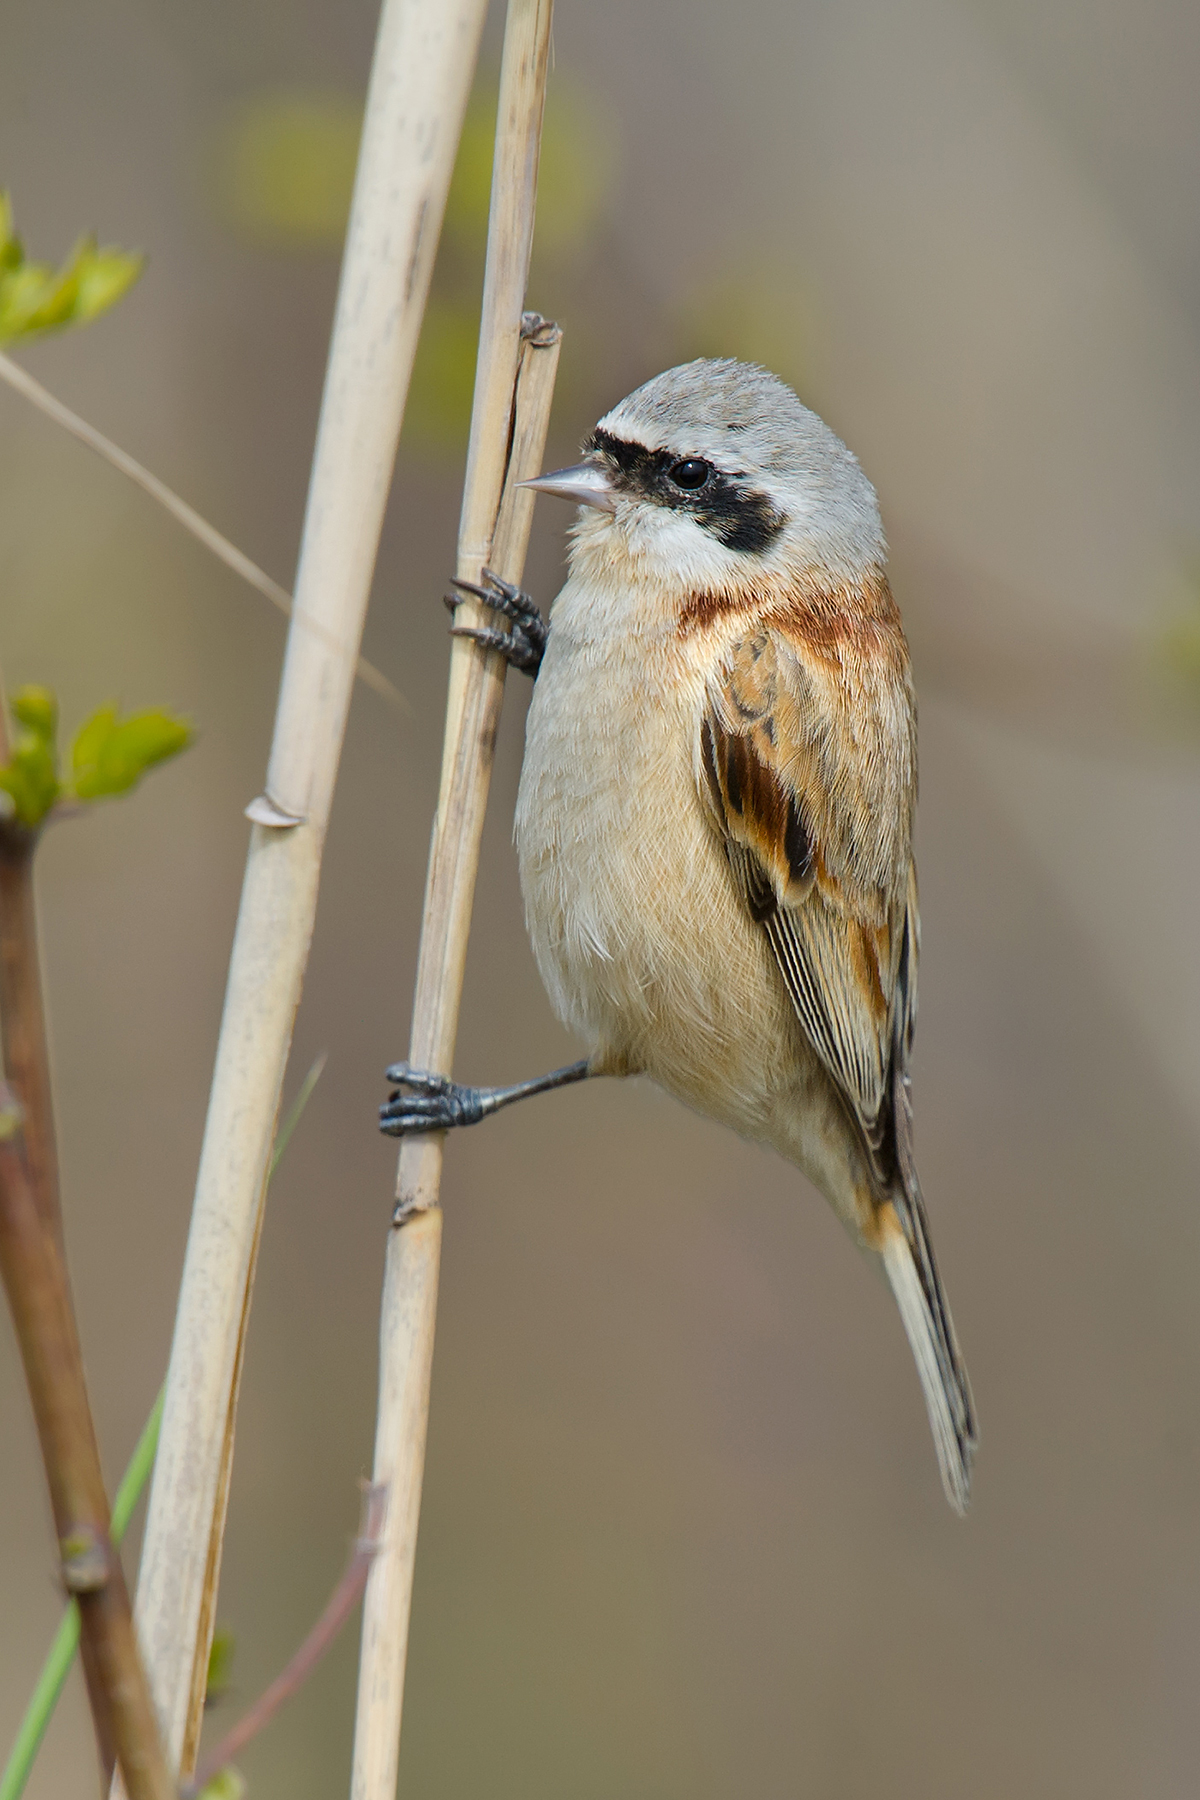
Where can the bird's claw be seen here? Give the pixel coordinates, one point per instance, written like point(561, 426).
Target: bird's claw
point(435, 1103)
point(525, 645)
point(513, 646)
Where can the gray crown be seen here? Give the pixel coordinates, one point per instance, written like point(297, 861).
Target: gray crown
point(747, 422)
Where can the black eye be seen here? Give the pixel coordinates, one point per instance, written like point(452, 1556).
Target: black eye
point(691, 473)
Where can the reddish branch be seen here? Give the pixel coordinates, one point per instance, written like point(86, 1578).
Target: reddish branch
point(342, 1601)
point(34, 1269)
point(34, 1276)
point(23, 1019)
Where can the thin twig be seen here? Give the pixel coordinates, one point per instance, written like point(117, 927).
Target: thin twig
point(185, 515)
point(61, 1654)
point(345, 1597)
point(35, 1280)
point(26, 1053)
point(26, 1063)
point(513, 385)
point(421, 75)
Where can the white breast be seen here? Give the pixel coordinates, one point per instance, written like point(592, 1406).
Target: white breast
point(638, 934)
point(603, 742)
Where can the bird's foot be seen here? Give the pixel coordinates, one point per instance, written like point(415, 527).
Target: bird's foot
point(435, 1103)
point(523, 646)
point(438, 1104)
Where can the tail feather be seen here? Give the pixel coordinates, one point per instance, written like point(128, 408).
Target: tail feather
point(930, 1331)
point(912, 1271)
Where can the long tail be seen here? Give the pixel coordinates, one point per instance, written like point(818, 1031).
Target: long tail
point(912, 1271)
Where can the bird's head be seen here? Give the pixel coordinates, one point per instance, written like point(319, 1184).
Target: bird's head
point(713, 475)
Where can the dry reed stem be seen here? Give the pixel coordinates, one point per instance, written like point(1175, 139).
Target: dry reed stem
point(424, 59)
point(513, 387)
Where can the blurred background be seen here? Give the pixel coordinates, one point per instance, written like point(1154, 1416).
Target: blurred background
point(682, 1531)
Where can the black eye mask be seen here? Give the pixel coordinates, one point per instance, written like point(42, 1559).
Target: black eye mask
point(739, 516)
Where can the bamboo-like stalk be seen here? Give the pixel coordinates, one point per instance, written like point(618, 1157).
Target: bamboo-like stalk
point(424, 59)
point(513, 387)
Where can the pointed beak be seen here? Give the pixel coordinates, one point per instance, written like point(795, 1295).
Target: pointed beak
point(587, 483)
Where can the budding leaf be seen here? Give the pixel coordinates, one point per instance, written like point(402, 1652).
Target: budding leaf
point(110, 755)
point(30, 777)
point(35, 297)
point(37, 709)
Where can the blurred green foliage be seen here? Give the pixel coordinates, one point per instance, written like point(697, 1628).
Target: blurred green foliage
point(35, 298)
point(228, 1785)
point(286, 169)
point(109, 754)
point(574, 175)
point(1174, 646)
point(754, 312)
point(285, 174)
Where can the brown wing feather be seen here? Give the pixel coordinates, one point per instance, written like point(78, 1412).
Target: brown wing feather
point(808, 763)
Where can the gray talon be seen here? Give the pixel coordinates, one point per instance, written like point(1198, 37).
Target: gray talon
point(514, 645)
point(425, 1080)
point(525, 645)
point(436, 1105)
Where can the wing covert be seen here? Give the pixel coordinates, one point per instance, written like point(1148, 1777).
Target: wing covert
point(808, 771)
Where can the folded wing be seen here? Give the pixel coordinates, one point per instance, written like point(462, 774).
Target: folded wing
point(810, 780)
point(808, 763)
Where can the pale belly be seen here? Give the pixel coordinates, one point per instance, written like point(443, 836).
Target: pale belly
point(643, 944)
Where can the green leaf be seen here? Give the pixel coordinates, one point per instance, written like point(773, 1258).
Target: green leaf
point(104, 274)
point(35, 298)
point(91, 737)
point(110, 755)
point(30, 777)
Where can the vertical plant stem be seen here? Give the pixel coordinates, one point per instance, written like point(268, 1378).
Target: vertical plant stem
point(26, 1063)
point(34, 1277)
point(421, 73)
point(341, 1604)
point(513, 386)
point(57, 1666)
point(26, 1054)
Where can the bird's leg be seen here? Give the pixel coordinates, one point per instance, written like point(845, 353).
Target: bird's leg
point(437, 1104)
point(523, 646)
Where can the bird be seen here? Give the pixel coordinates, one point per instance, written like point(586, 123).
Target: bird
point(715, 813)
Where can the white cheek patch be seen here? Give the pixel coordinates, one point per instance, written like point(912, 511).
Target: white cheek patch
point(674, 547)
